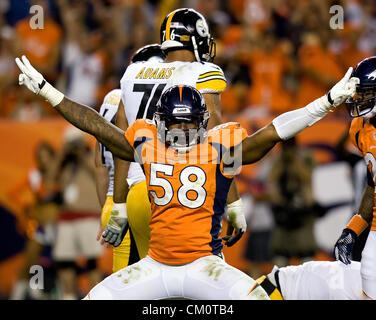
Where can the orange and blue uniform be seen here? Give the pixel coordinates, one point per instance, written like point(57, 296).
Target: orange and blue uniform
point(187, 191)
point(363, 136)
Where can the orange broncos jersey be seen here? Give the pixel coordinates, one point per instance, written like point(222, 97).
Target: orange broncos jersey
point(363, 136)
point(187, 191)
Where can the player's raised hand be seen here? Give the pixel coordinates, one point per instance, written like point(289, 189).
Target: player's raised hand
point(236, 221)
point(29, 77)
point(117, 226)
point(344, 246)
point(35, 82)
point(343, 89)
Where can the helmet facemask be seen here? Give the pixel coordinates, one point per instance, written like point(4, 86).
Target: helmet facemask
point(182, 140)
point(205, 52)
point(363, 104)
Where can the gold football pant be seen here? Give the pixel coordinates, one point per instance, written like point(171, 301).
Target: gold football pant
point(135, 244)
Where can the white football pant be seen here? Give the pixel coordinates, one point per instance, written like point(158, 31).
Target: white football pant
point(207, 278)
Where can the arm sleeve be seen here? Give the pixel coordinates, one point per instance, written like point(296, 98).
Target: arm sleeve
point(211, 79)
point(290, 123)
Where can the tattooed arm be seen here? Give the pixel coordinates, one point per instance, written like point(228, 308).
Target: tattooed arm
point(92, 122)
point(80, 116)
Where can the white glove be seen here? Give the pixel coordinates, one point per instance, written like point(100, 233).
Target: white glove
point(342, 90)
point(117, 226)
point(35, 82)
point(236, 220)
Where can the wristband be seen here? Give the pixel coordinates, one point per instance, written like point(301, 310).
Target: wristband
point(51, 94)
point(236, 203)
point(330, 100)
point(357, 224)
point(119, 210)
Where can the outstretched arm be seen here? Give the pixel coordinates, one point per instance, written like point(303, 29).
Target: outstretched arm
point(81, 116)
point(257, 145)
point(90, 121)
point(366, 206)
point(117, 225)
point(121, 166)
point(289, 124)
point(101, 176)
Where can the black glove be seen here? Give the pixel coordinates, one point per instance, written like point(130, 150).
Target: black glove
point(344, 246)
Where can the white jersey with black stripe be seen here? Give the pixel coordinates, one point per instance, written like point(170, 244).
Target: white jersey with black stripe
point(144, 82)
point(108, 111)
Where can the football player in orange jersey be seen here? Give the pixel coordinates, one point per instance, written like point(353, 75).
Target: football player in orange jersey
point(189, 171)
point(190, 51)
point(363, 134)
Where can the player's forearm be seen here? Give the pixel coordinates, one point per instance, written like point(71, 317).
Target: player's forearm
point(215, 119)
point(283, 127)
point(82, 117)
point(366, 205)
point(101, 176)
point(213, 103)
point(101, 181)
point(233, 194)
point(257, 145)
point(120, 180)
point(291, 123)
point(79, 115)
point(360, 221)
point(90, 121)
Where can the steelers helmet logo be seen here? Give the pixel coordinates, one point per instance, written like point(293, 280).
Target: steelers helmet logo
point(202, 28)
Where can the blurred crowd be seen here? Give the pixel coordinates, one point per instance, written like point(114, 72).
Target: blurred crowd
point(61, 220)
point(277, 55)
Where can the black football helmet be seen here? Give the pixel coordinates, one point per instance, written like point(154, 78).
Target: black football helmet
point(147, 52)
point(187, 29)
point(181, 104)
point(365, 97)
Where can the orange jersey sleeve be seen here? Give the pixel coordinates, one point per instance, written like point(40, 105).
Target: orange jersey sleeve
point(357, 125)
point(228, 136)
point(141, 131)
point(140, 128)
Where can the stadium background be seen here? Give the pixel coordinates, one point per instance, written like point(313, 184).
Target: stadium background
point(277, 56)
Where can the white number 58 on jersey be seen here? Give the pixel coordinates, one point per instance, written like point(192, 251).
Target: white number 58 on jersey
point(186, 185)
